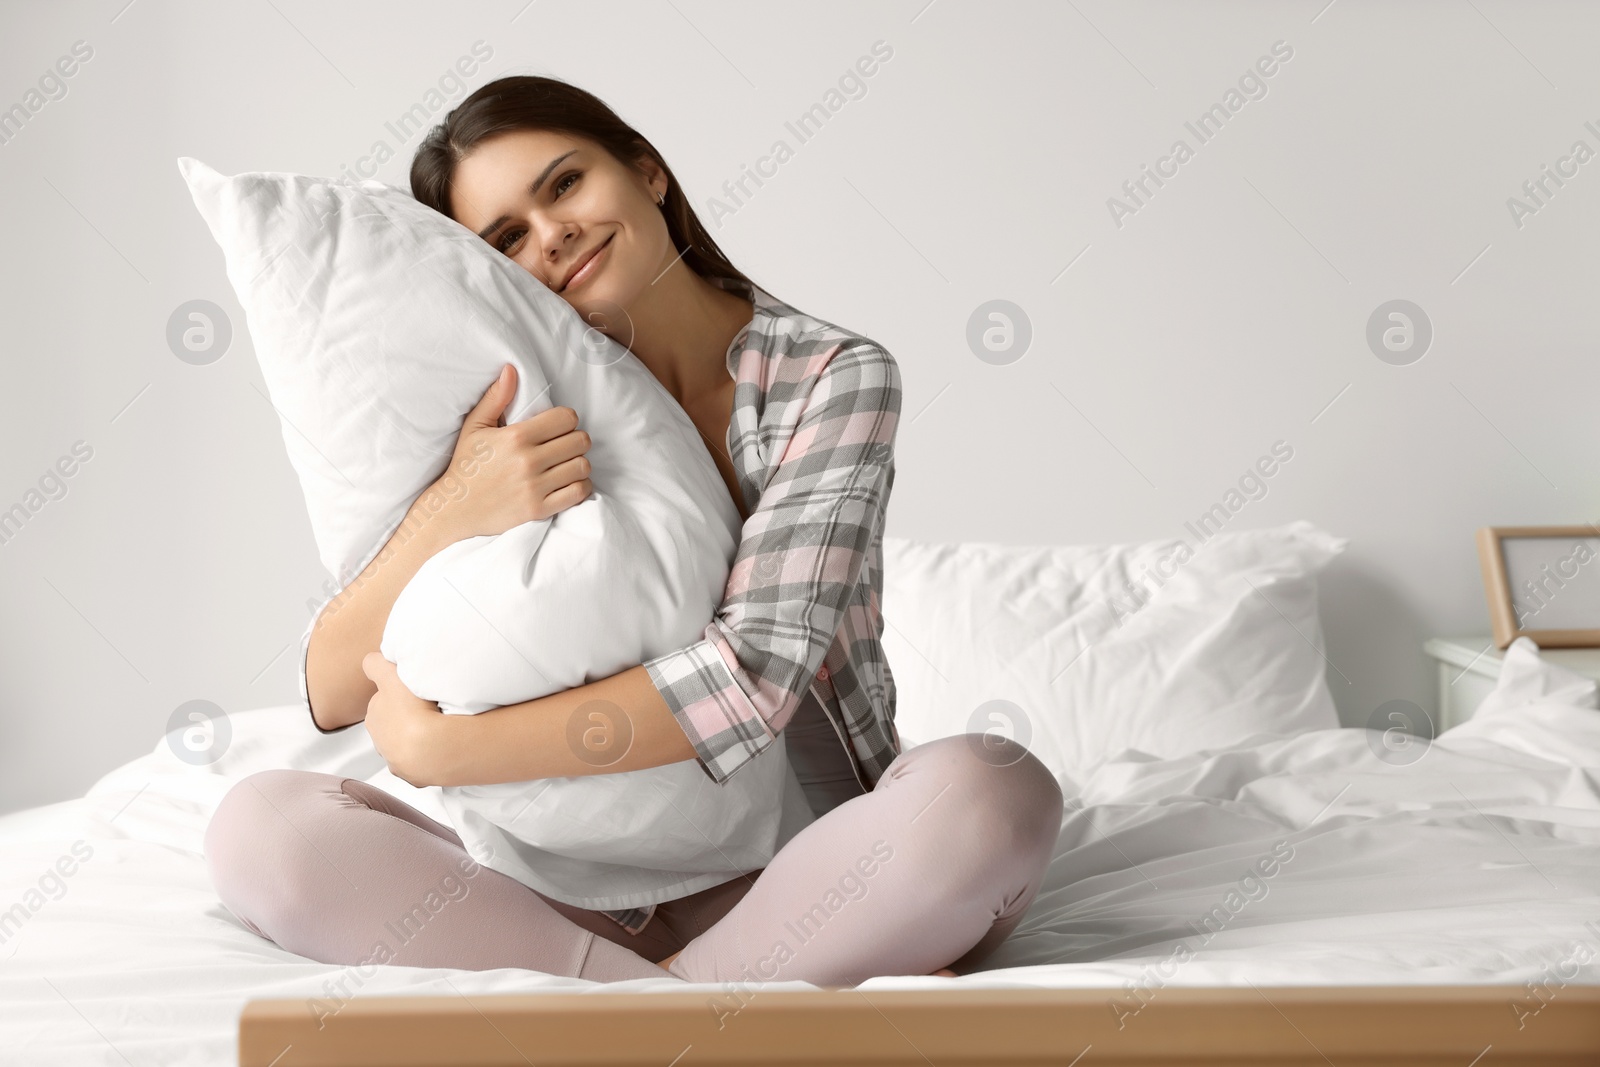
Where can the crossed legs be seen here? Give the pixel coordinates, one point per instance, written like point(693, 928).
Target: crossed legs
point(935, 867)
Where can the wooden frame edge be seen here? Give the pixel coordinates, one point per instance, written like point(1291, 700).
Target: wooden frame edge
point(1497, 588)
point(1546, 1023)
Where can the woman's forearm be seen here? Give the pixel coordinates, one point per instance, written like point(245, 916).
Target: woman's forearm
point(620, 723)
point(351, 625)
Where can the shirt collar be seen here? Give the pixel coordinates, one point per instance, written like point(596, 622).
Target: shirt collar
point(763, 302)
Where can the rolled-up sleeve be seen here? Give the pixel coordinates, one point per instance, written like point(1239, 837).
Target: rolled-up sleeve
point(799, 560)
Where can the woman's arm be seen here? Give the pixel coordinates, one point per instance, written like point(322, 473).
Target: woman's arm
point(351, 624)
point(794, 573)
point(498, 478)
point(615, 724)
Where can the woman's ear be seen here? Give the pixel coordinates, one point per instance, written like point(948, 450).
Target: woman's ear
point(655, 177)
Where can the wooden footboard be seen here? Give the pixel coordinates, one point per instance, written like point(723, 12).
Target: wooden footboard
point(1414, 1026)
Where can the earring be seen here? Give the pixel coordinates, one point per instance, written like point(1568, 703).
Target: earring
point(661, 199)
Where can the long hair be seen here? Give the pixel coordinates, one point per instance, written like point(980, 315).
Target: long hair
point(528, 102)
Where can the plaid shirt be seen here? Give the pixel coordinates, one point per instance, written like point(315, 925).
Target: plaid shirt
point(811, 437)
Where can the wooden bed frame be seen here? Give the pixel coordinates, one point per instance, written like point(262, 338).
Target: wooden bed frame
point(1369, 1026)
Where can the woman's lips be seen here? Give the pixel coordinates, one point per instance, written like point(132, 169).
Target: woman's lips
point(590, 266)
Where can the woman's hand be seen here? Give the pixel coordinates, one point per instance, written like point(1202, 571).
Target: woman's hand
point(504, 476)
point(405, 729)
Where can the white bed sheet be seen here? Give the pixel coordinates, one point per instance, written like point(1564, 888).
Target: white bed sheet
point(1476, 864)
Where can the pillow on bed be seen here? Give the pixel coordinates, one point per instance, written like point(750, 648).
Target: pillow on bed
point(1082, 651)
point(379, 323)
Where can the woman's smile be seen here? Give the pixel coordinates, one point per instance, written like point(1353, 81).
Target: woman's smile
point(590, 266)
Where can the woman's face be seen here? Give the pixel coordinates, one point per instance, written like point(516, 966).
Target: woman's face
point(549, 201)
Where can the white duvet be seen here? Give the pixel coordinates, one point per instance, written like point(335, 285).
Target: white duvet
point(1298, 860)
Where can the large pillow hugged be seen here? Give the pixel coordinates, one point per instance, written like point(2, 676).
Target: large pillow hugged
point(379, 323)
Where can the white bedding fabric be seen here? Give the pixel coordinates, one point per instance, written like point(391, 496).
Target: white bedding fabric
point(1475, 864)
point(1079, 651)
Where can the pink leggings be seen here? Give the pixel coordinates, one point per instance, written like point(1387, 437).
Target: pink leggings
point(955, 838)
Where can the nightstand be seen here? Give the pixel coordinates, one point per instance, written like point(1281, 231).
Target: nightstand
point(1469, 667)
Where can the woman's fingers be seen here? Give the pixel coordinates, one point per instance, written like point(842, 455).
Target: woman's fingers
point(492, 406)
point(374, 666)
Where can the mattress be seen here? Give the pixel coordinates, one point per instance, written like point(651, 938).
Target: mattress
point(1477, 863)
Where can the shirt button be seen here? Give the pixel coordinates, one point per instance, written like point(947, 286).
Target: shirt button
point(823, 673)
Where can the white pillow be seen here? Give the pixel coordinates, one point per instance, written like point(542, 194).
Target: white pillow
point(379, 323)
point(1082, 651)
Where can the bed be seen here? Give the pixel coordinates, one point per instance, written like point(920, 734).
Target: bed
point(1441, 908)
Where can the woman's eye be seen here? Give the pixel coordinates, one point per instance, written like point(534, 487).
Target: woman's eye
point(559, 188)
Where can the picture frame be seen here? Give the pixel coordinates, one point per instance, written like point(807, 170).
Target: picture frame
point(1543, 583)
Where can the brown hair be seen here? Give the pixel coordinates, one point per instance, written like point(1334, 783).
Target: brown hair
point(528, 102)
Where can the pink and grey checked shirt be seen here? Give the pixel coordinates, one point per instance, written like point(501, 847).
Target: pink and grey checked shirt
point(812, 438)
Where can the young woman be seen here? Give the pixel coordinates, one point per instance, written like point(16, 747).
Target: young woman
point(915, 863)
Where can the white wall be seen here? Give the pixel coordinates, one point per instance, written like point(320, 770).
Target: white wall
point(1224, 315)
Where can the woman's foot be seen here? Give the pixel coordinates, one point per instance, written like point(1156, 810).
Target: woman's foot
point(666, 964)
